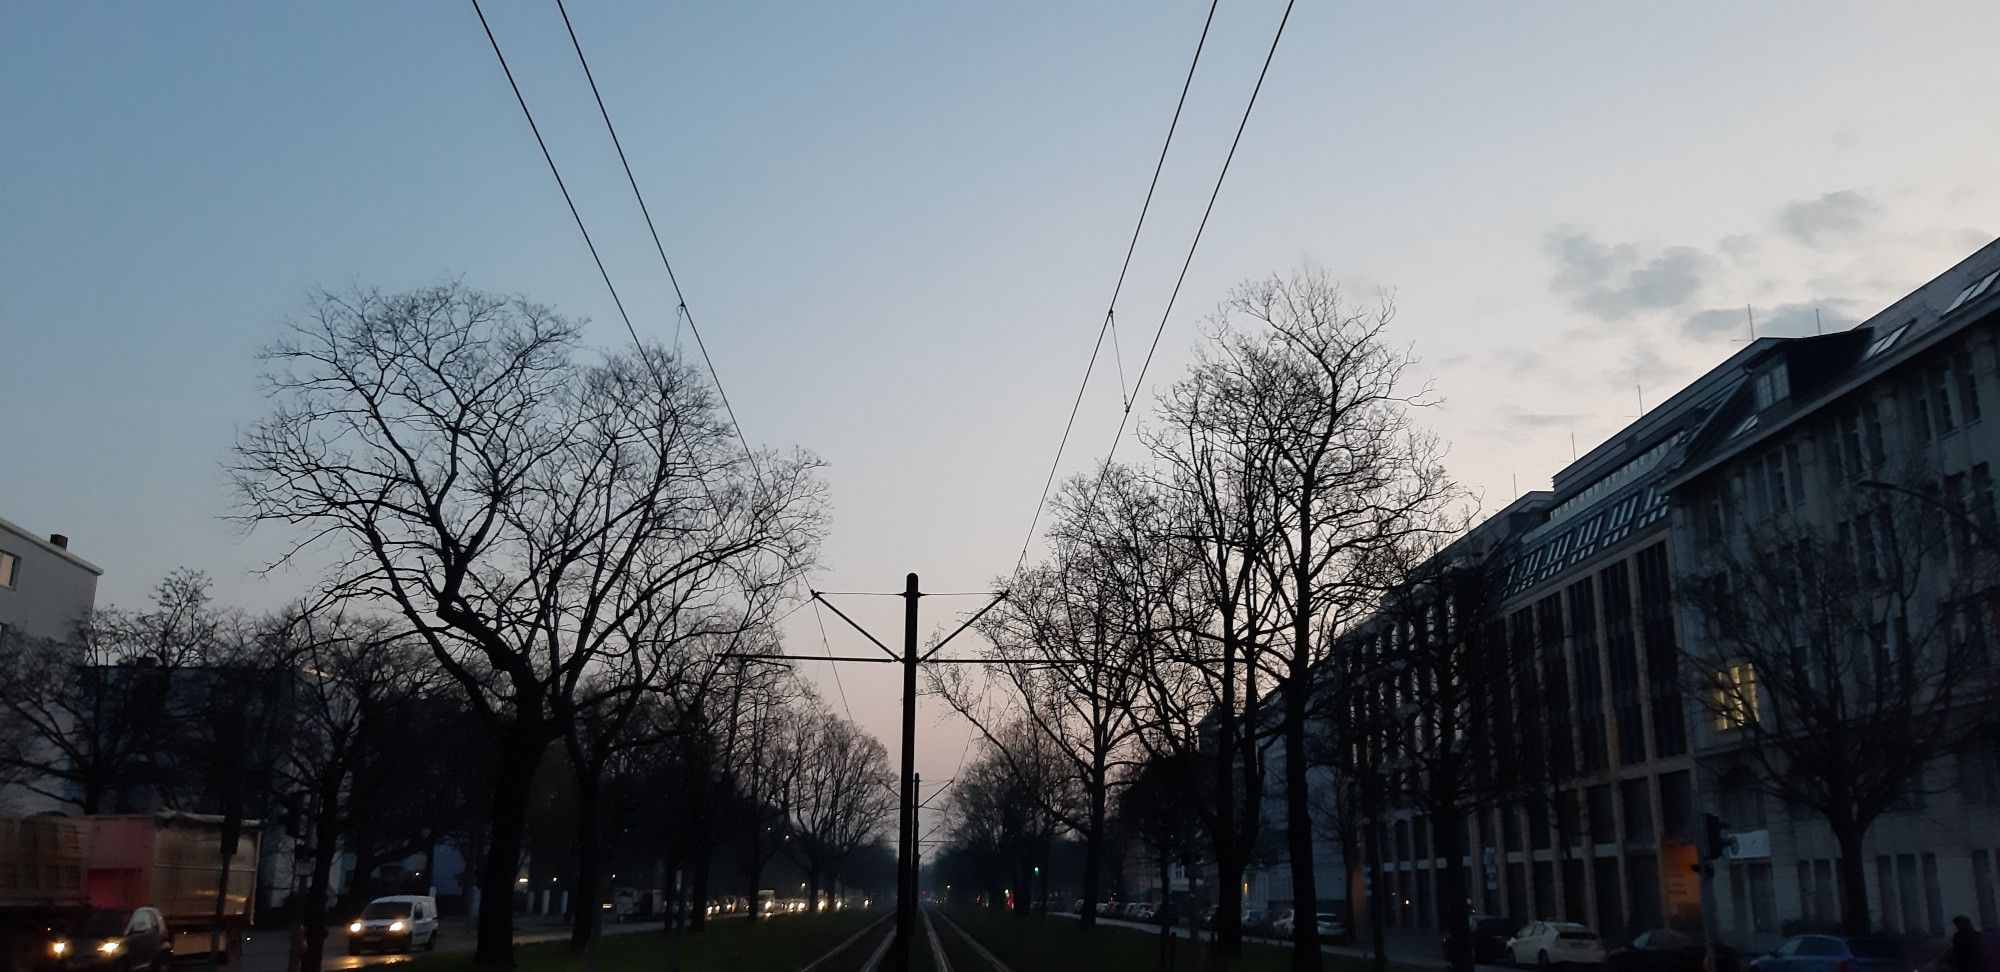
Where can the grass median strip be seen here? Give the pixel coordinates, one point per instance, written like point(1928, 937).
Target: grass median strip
point(1064, 945)
point(782, 944)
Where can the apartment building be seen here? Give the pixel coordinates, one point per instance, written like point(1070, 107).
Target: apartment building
point(1607, 718)
point(1824, 437)
point(45, 590)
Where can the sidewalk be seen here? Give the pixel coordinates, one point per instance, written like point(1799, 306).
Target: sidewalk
point(1411, 948)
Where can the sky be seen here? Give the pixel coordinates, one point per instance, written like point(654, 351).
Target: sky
point(898, 225)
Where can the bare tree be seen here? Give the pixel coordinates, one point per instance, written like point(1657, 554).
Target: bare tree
point(515, 505)
point(1067, 647)
point(1839, 654)
point(838, 797)
point(1292, 435)
point(86, 719)
point(356, 676)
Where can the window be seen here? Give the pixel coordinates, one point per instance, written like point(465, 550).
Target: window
point(1972, 291)
point(1968, 387)
point(1938, 381)
point(1981, 501)
point(1886, 341)
point(1735, 704)
point(1771, 386)
point(9, 564)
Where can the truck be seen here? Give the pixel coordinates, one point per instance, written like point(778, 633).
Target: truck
point(54, 868)
point(43, 863)
point(173, 861)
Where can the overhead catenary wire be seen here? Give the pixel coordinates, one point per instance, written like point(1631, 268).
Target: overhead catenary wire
point(1125, 417)
point(561, 184)
point(1118, 288)
point(660, 248)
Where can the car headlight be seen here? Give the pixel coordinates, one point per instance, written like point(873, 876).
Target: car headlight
point(354, 928)
point(395, 926)
point(59, 948)
point(110, 947)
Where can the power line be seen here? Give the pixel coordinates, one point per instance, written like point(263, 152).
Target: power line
point(658, 247)
point(1125, 417)
point(1118, 288)
point(560, 183)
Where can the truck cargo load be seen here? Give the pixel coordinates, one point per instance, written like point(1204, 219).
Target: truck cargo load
point(173, 862)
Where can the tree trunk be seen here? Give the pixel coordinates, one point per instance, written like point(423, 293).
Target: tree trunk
point(589, 858)
point(1854, 919)
point(326, 847)
point(1161, 912)
point(520, 756)
point(1378, 918)
point(701, 865)
point(232, 834)
point(1298, 825)
point(1228, 856)
point(1093, 856)
point(1448, 836)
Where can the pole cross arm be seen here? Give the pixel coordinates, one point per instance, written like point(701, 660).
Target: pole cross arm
point(870, 659)
point(851, 623)
point(969, 622)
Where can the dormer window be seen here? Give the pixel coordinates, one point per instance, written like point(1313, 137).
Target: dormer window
point(1972, 291)
point(1771, 386)
point(1886, 341)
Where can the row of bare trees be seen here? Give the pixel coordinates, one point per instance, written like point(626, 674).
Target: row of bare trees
point(1283, 610)
point(541, 560)
point(1188, 603)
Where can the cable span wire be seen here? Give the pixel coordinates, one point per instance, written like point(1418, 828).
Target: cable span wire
point(673, 279)
point(1126, 418)
point(828, 645)
point(1118, 288)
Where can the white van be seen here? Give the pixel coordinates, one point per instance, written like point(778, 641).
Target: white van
point(397, 923)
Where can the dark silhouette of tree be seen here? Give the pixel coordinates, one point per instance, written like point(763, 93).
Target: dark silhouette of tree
point(837, 799)
point(84, 721)
point(515, 504)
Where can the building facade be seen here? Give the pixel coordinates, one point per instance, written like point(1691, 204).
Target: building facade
point(1856, 439)
point(1610, 733)
point(45, 590)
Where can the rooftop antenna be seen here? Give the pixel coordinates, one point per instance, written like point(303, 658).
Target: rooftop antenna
point(1641, 390)
point(1817, 329)
point(1572, 442)
point(1752, 317)
point(1517, 484)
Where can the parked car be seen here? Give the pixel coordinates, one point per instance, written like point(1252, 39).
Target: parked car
point(1332, 927)
point(397, 923)
point(1256, 922)
point(1490, 936)
point(1550, 943)
point(124, 939)
point(1284, 925)
point(1667, 950)
point(1835, 953)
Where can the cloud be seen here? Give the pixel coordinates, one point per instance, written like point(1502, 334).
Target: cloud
point(1829, 218)
point(1613, 282)
point(1542, 420)
point(1715, 322)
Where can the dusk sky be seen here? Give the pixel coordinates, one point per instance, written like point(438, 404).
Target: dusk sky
point(899, 223)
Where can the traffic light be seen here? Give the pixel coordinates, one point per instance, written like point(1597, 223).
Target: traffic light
point(1713, 841)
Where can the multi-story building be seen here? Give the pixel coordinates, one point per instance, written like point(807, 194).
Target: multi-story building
point(1851, 438)
point(1613, 749)
point(45, 591)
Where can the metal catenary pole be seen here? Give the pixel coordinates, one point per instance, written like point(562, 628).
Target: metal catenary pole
point(906, 885)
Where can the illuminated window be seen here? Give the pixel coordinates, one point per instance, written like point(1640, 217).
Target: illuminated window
point(1735, 703)
point(8, 564)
